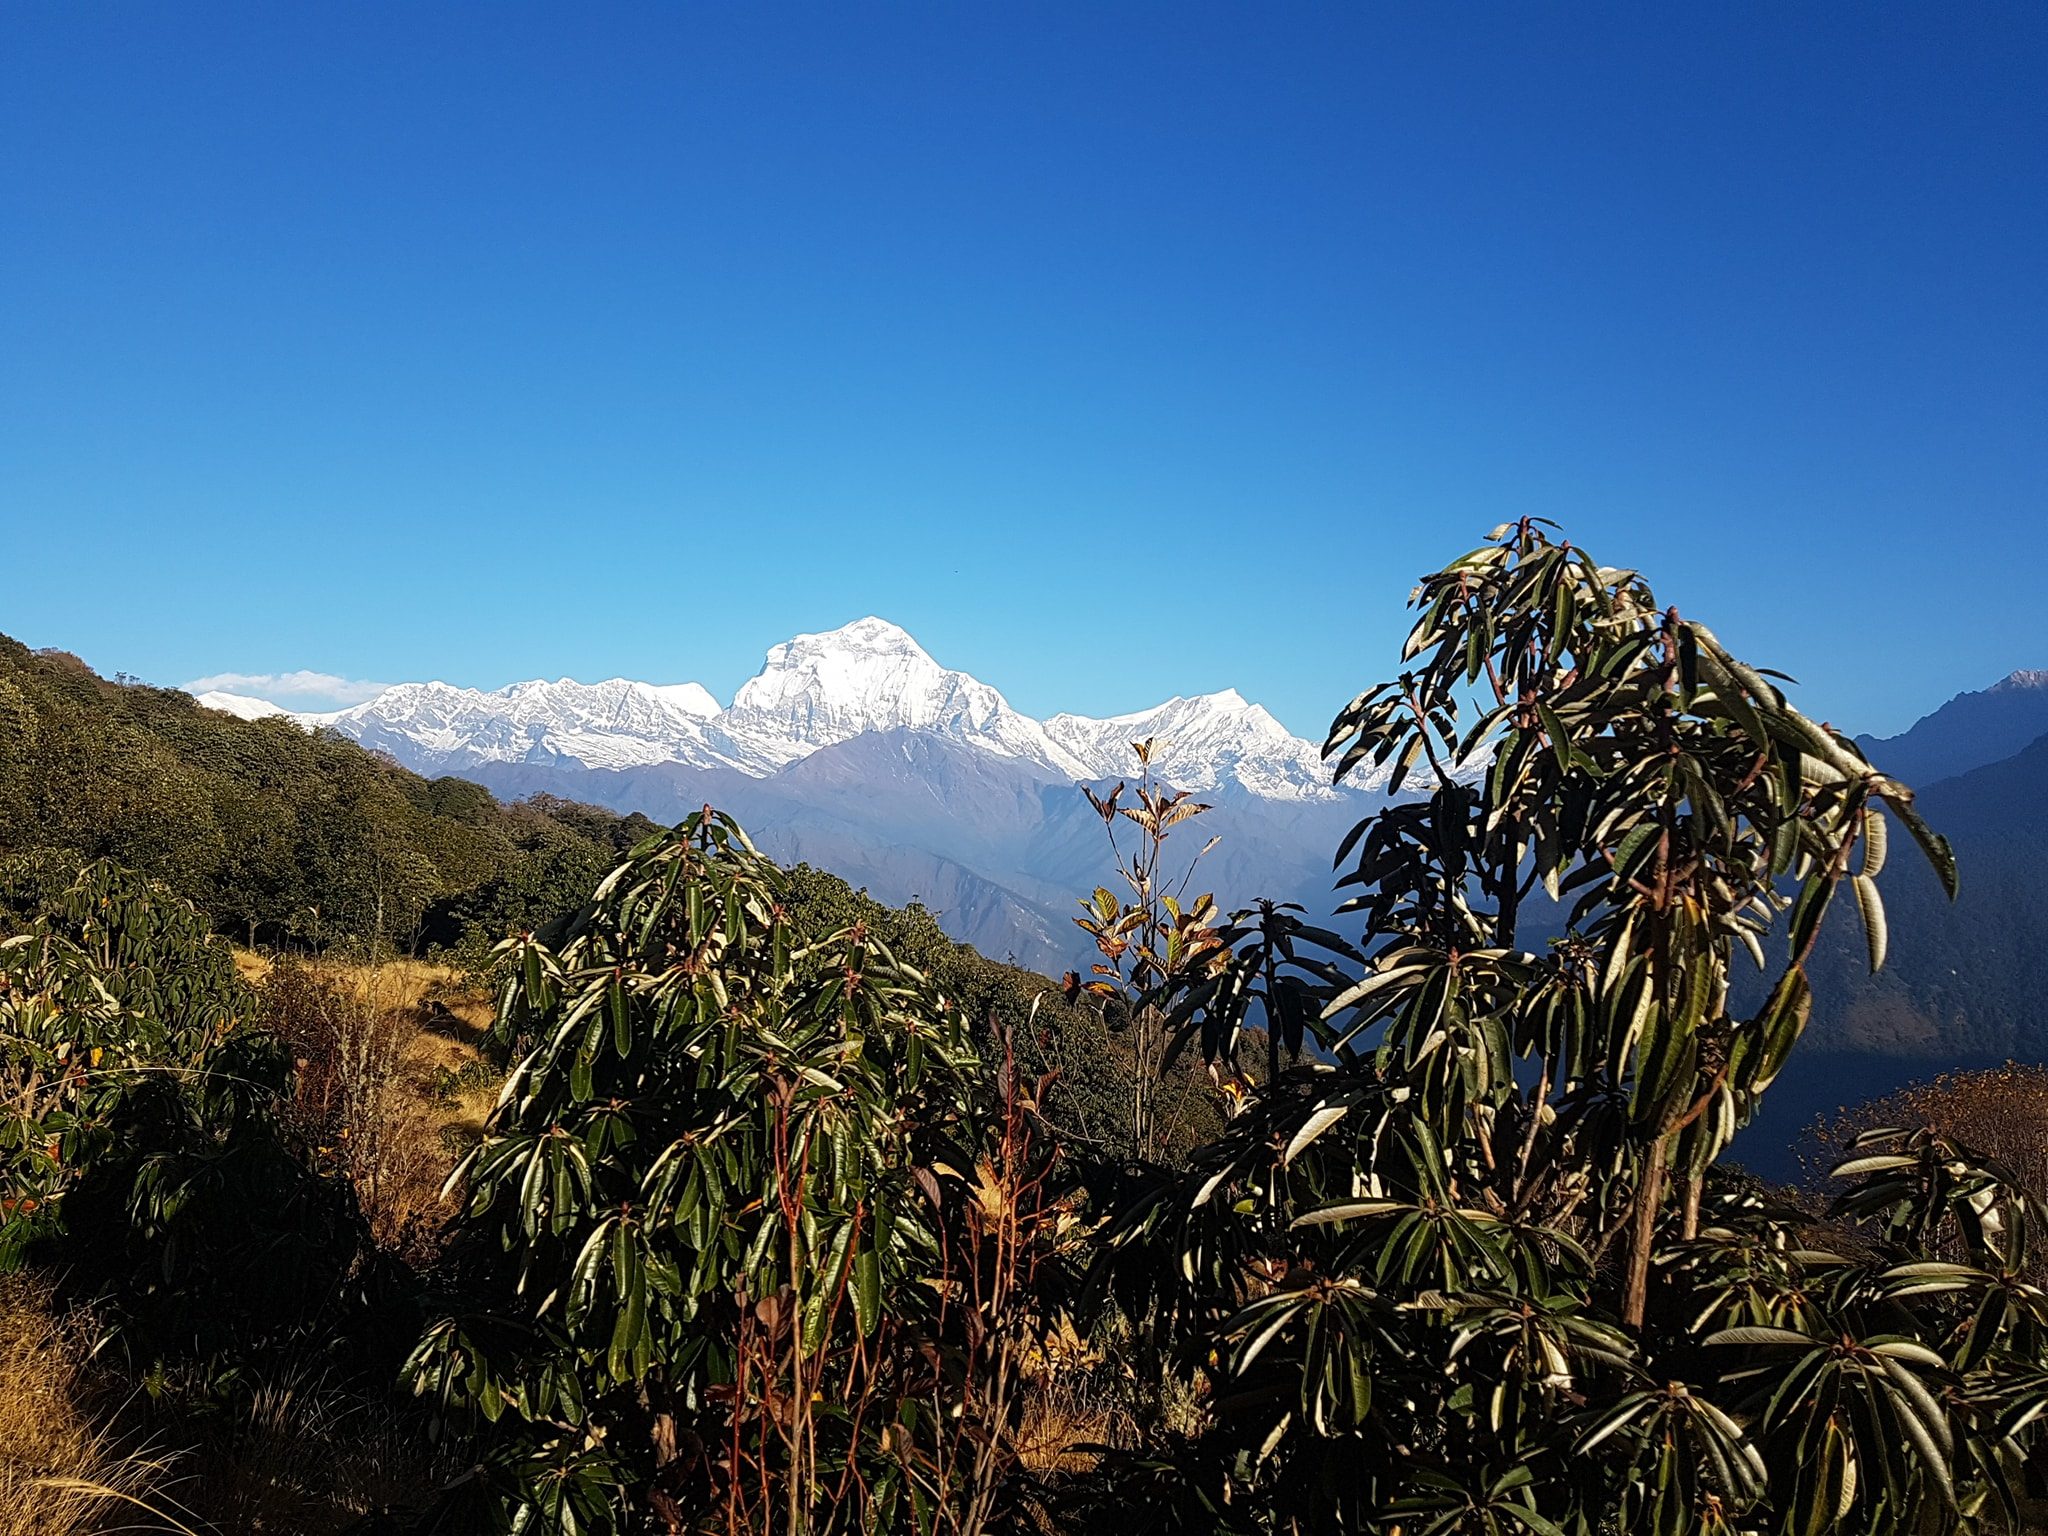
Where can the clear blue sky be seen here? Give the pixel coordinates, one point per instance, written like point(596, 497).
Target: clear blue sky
point(1114, 350)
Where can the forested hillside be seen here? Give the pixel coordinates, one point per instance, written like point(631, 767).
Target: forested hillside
point(284, 836)
point(275, 833)
point(1964, 979)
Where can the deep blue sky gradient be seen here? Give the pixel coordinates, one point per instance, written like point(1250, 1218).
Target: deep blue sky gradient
point(1115, 351)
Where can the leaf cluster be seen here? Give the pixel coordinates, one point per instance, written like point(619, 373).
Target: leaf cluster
point(1472, 1265)
point(734, 1228)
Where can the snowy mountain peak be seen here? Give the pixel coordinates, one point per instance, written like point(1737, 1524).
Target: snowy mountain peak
point(241, 706)
point(869, 634)
point(1203, 744)
point(869, 642)
point(813, 691)
point(2025, 678)
point(816, 690)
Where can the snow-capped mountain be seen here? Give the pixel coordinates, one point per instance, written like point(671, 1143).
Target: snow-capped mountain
point(816, 691)
point(1203, 744)
point(434, 727)
point(241, 706)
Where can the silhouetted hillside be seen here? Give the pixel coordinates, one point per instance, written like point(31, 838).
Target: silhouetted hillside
point(1965, 979)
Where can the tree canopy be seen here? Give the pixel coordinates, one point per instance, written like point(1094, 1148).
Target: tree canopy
point(273, 831)
point(1474, 1267)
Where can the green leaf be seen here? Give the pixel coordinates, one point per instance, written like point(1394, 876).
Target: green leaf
point(631, 1327)
point(622, 1023)
point(1760, 1335)
point(1318, 1122)
point(1871, 905)
point(867, 1290)
point(824, 1286)
point(1884, 1162)
point(1807, 912)
point(1348, 1210)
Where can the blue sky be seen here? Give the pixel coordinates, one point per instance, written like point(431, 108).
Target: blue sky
point(1115, 351)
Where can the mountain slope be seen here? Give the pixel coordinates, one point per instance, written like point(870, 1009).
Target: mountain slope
point(1963, 979)
point(1963, 985)
point(276, 832)
point(1000, 849)
point(1969, 731)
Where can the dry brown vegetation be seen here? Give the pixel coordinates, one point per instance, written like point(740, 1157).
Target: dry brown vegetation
point(63, 1470)
point(392, 1082)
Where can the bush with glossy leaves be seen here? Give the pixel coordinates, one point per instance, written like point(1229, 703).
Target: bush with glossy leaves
point(116, 982)
point(752, 1245)
point(141, 1158)
point(1473, 1267)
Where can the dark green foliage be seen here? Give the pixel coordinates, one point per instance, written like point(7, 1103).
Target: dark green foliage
point(115, 986)
point(1476, 1269)
point(273, 832)
point(1051, 1031)
point(749, 1241)
point(141, 1154)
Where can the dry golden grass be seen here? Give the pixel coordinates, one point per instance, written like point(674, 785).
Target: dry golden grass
point(1066, 1410)
point(433, 1091)
point(62, 1473)
point(252, 965)
point(393, 1084)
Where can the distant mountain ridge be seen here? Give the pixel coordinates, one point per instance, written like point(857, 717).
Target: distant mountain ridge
point(854, 750)
point(1972, 730)
point(816, 691)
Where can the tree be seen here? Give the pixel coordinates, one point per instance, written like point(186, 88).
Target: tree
point(141, 1151)
point(1473, 1267)
point(115, 982)
point(259, 823)
point(758, 1245)
point(1155, 938)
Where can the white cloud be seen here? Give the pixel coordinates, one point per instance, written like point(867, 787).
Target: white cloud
point(321, 687)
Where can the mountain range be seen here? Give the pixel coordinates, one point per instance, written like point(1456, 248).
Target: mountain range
point(854, 750)
point(814, 691)
point(1972, 730)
